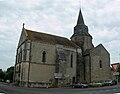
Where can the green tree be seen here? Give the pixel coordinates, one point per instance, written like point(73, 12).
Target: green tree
point(2, 74)
point(9, 73)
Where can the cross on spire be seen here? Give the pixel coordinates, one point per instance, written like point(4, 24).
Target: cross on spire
point(23, 25)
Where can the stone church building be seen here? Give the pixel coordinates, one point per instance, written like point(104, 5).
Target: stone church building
point(45, 60)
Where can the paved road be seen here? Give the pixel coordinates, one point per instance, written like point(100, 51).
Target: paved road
point(7, 89)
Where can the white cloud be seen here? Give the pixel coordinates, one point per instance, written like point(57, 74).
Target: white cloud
point(58, 17)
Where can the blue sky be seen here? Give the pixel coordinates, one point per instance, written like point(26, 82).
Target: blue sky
point(58, 17)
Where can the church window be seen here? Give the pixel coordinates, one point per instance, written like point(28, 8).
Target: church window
point(44, 57)
point(71, 62)
point(100, 63)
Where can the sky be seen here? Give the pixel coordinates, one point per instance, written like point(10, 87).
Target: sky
point(58, 17)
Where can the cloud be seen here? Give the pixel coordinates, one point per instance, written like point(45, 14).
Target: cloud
point(58, 17)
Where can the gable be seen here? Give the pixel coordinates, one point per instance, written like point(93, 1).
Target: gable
point(23, 37)
point(99, 50)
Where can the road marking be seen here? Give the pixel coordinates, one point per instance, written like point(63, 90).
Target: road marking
point(2, 93)
point(116, 93)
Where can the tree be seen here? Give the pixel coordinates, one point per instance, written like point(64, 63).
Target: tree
point(9, 74)
point(2, 75)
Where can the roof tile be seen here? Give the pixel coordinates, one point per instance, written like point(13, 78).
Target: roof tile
point(48, 38)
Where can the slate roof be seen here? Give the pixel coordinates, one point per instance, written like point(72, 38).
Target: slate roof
point(48, 38)
point(80, 20)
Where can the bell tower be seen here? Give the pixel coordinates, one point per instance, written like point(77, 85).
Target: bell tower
point(83, 39)
point(81, 36)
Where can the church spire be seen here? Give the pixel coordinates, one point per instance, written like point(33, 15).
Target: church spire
point(80, 20)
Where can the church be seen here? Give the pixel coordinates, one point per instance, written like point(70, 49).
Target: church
point(45, 60)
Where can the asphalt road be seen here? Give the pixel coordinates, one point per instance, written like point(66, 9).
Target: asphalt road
point(8, 89)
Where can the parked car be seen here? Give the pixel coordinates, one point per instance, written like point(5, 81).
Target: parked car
point(7, 81)
point(78, 85)
point(96, 84)
point(110, 82)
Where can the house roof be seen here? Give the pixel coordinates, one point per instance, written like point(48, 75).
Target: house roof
point(115, 66)
point(48, 38)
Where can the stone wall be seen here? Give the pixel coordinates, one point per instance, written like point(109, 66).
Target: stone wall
point(66, 62)
point(42, 71)
point(100, 71)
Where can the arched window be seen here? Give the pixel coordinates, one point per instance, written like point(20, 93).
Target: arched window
point(44, 57)
point(71, 62)
point(100, 63)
